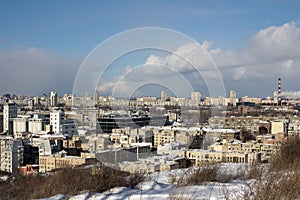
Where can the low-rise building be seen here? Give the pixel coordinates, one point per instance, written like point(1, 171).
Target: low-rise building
point(61, 160)
point(172, 149)
point(69, 128)
point(48, 144)
point(20, 125)
point(153, 164)
point(163, 136)
point(29, 170)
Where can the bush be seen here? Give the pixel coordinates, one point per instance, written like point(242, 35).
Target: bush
point(288, 156)
point(278, 186)
point(68, 181)
point(200, 175)
point(282, 181)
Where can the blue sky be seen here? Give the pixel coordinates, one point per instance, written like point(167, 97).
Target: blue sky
point(69, 30)
point(77, 26)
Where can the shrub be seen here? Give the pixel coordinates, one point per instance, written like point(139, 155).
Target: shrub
point(288, 156)
point(68, 181)
point(203, 175)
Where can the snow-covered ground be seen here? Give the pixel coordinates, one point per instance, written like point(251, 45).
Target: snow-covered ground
point(162, 185)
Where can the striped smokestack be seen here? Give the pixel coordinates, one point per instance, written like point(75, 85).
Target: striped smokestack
point(279, 91)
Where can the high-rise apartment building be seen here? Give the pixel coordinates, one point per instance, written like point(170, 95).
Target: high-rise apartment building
point(232, 98)
point(36, 100)
point(96, 96)
point(11, 154)
point(196, 97)
point(9, 111)
point(56, 119)
point(53, 99)
point(163, 96)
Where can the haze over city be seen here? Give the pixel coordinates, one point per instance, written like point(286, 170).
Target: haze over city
point(42, 44)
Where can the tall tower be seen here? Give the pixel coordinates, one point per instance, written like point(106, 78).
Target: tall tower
point(56, 119)
point(36, 100)
point(53, 99)
point(9, 112)
point(196, 97)
point(163, 96)
point(279, 91)
point(232, 97)
point(96, 96)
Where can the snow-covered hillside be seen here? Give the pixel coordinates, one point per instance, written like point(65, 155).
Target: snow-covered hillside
point(163, 186)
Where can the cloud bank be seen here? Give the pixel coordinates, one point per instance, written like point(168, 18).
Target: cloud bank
point(253, 70)
point(270, 53)
point(34, 71)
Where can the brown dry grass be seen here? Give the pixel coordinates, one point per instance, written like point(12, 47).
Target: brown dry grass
point(277, 180)
point(68, 181)
point(283, 178)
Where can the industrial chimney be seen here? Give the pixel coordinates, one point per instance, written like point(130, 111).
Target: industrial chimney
point(279, 91)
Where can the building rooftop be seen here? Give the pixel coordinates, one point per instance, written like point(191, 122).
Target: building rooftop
point(220, 130)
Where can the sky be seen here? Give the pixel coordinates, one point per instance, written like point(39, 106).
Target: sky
point(43, 44)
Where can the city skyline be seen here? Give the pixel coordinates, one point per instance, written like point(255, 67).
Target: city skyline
point(149, 99)
point(42, 45)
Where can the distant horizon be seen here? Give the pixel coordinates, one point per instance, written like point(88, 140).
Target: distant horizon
point(158, 96)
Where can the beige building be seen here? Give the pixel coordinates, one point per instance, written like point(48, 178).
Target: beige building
point(162, 136)
point(237, 157)
point(255, 100)
point(267, 150)
point(218, 147)
point(200, 157)
point(60, 160)
point(277, 127)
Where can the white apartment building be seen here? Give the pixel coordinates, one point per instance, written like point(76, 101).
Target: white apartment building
point(232, 98)
point(163, 96)
point(56, 119)
point(11, 154)
point(196, 97)
point(36, 125)
point(19, 125)
point(9, 112)
point(53, 99)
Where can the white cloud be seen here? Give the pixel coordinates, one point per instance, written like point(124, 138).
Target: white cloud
point(184, 67)
point(273, 51)
point(270, 53)
point(276, 42)
point(207, 44)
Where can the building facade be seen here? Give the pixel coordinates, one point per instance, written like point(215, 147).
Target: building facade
point(9, 112)
point(53, 99)
point(11, 154)
point(56, 119)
